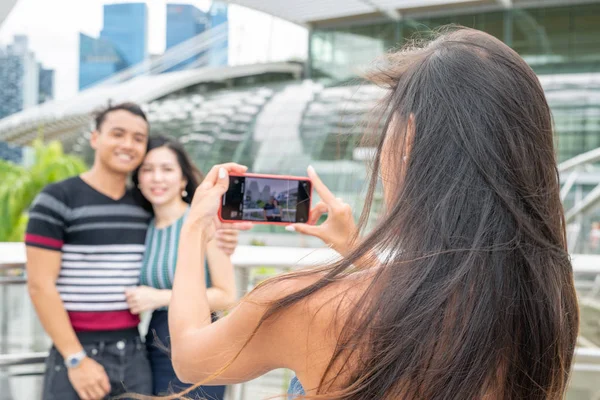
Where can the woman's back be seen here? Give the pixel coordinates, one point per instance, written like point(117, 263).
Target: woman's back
point(463, 289)
point(475, 296)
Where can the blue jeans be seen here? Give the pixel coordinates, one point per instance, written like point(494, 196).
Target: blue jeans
point(125, 361)
point(164, 378)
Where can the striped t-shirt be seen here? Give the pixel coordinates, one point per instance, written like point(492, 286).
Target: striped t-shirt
point(158, 268)
point(102, 246)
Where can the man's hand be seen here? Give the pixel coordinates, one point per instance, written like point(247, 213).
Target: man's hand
point(89, 380)
point(227, 235)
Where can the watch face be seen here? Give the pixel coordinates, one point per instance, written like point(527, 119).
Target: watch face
point(74, 360)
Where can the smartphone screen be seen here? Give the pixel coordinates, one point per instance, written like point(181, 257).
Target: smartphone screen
point(267, 199)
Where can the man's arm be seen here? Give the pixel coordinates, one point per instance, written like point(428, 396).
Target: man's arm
point(221, 295)
point(43, 267)
point(89, 379)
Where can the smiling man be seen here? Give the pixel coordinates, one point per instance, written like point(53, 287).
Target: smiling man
point(85, 244)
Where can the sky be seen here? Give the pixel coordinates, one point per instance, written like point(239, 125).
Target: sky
point(53, 28)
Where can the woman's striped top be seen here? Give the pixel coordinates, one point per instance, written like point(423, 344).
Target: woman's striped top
point(160, 259)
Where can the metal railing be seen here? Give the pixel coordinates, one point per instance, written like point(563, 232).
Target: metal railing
point(250, 262)
point(578, 175)
point(246, 259)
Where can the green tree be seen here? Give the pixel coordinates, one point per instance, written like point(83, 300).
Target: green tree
point(19, 185)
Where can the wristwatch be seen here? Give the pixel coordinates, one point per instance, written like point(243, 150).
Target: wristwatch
point(74, 360)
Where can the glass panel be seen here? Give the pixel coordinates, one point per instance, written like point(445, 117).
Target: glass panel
point(553, 40)
point(558, 39)
point(339, 54)
point(491, 22)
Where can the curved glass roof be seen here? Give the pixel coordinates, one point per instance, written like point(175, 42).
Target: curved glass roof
point(56, 117)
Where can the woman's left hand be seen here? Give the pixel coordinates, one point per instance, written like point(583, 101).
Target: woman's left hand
point(339, 229)
point(145, 298)
point(207, 199)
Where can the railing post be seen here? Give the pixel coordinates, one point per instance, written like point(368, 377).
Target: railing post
point(5, 390)
point(242, 281)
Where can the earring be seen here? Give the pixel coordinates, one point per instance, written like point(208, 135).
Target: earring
point(184, 193)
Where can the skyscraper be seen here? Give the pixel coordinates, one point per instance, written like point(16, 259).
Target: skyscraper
point(219, 52)
point(45, 84)
point(126, 27)
point(10, 152)
point(123, 43)
point(98, 59)
point(20, 77)
point(184, 21)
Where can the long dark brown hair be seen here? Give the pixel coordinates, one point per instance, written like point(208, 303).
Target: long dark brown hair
point(474, 295)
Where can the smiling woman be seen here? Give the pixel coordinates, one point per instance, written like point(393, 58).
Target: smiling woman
point(165, 183)
point(161, 179)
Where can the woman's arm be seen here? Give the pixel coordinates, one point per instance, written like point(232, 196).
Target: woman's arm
point(203, 351)
point(230, 350)
point(221, 295)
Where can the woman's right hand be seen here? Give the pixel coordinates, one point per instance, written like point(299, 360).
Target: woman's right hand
point(207, 198)
point(339, 229)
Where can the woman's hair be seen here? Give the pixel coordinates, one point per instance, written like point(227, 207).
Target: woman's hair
point(190, 172)
point(474, 296)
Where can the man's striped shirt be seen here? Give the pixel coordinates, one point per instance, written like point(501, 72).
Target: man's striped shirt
point(102, 246)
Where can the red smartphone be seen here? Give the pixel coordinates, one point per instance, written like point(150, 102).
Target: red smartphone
point(267, 199)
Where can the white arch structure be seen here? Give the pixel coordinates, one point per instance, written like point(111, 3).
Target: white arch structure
point(6, 7)
point(331, 12)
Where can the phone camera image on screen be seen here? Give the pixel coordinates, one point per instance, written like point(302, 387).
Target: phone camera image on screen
point(267, 200)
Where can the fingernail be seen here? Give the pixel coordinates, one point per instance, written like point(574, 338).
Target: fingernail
point(290, 228)
point(222, 173)
point(310, 169)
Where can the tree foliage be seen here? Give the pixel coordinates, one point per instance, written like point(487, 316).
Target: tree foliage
point(19, 185)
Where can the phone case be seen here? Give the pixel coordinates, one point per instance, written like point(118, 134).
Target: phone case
point(288, 177)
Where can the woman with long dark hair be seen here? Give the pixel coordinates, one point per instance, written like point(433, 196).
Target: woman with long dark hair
point(463, 290)
point(164, 185)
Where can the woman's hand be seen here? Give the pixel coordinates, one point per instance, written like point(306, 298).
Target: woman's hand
point(145, 298)
point(339, 229)
point(207, 199)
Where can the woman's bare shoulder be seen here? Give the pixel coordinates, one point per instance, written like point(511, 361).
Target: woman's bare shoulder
point(309, 329)
point(314, 284)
